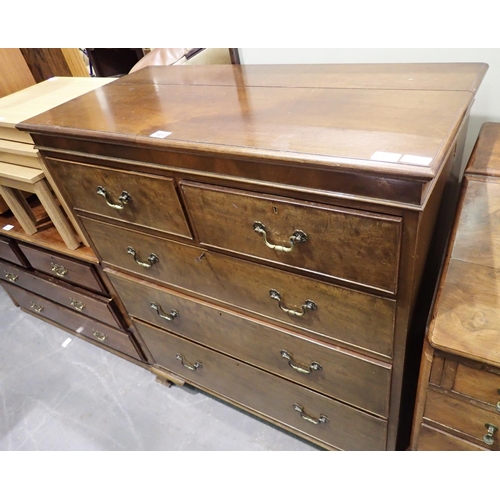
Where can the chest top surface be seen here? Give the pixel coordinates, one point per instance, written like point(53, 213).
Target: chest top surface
point(396, 120)
point(467, 314)
point(486, 156)
point(38, 98)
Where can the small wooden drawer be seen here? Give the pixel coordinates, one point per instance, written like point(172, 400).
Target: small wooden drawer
point(9, 250)
point(463, 417)
point(286, 403)
point(73, 321)
point(143, 200)
point(87, 303)
point(353, 246)
point(355, 319)
point(354, 379)
point(65, 268)
point(480, 384)
point(431, 439)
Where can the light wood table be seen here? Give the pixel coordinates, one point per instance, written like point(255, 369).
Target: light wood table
point(16, 149)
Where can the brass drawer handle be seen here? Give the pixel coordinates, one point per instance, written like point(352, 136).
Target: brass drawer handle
point(298, 236)
point(192, 367)
point(308, 305)
point(488, 437)
point(77, 304)
point(36, 307)
point(99, 336)
point(300, 368)
point(498, 404)
point(58, 269)
point(169, 317)
point(11, 277)
point(152, 259)
point(322, 419)
point(123, 199)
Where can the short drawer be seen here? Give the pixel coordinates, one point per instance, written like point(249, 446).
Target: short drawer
point(463, 417)
point(354, 379)
point(479, 384)
point(288, 404)
point(9, 250)
point(65, 268)
point(353, 246)
point(87, 303)
point(145, 200)
point(355, 319)
point(73, 321)
point(431, 439)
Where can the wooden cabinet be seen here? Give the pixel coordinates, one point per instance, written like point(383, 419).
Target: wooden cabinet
point(458, 403)
point(268, 228)
point(67, 292)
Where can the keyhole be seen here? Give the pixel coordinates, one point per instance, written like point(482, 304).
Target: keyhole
point(275, 210)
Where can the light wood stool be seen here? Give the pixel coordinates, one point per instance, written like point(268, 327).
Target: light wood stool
point(16, 178)
point(16, 147)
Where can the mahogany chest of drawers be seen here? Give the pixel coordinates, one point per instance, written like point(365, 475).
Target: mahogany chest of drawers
point(267, 228)
point(458, 404)
point(66, 291)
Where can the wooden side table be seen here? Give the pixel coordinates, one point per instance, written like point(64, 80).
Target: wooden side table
point(458, 401)
point(21, 168)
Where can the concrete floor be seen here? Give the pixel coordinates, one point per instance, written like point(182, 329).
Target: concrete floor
point(80, 397)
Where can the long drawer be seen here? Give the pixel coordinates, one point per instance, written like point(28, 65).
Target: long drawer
point(354, 246)
point(73, 321)
point(295, 407)
point(87, 303)
point(347, 316)
point(354, 379)
point(140, 199)
point(65, 268)
point(461, 416)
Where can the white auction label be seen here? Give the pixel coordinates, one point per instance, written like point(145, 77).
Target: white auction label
point(160, 134)
point(383, 156)
point(417, 160)
point(8, 227)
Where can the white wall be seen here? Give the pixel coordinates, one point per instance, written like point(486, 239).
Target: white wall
point(485, 109)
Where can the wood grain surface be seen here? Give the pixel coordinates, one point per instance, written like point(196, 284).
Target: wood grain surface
point(318, 124)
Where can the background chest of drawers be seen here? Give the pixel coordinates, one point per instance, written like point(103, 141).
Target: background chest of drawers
point(459, 389)
point(65, 291)
point(46, 270)
point(267, 228)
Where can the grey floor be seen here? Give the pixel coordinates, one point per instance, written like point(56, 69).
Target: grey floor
point(80, 397)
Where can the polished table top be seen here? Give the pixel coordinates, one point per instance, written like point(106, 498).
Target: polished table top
point(394, 120)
